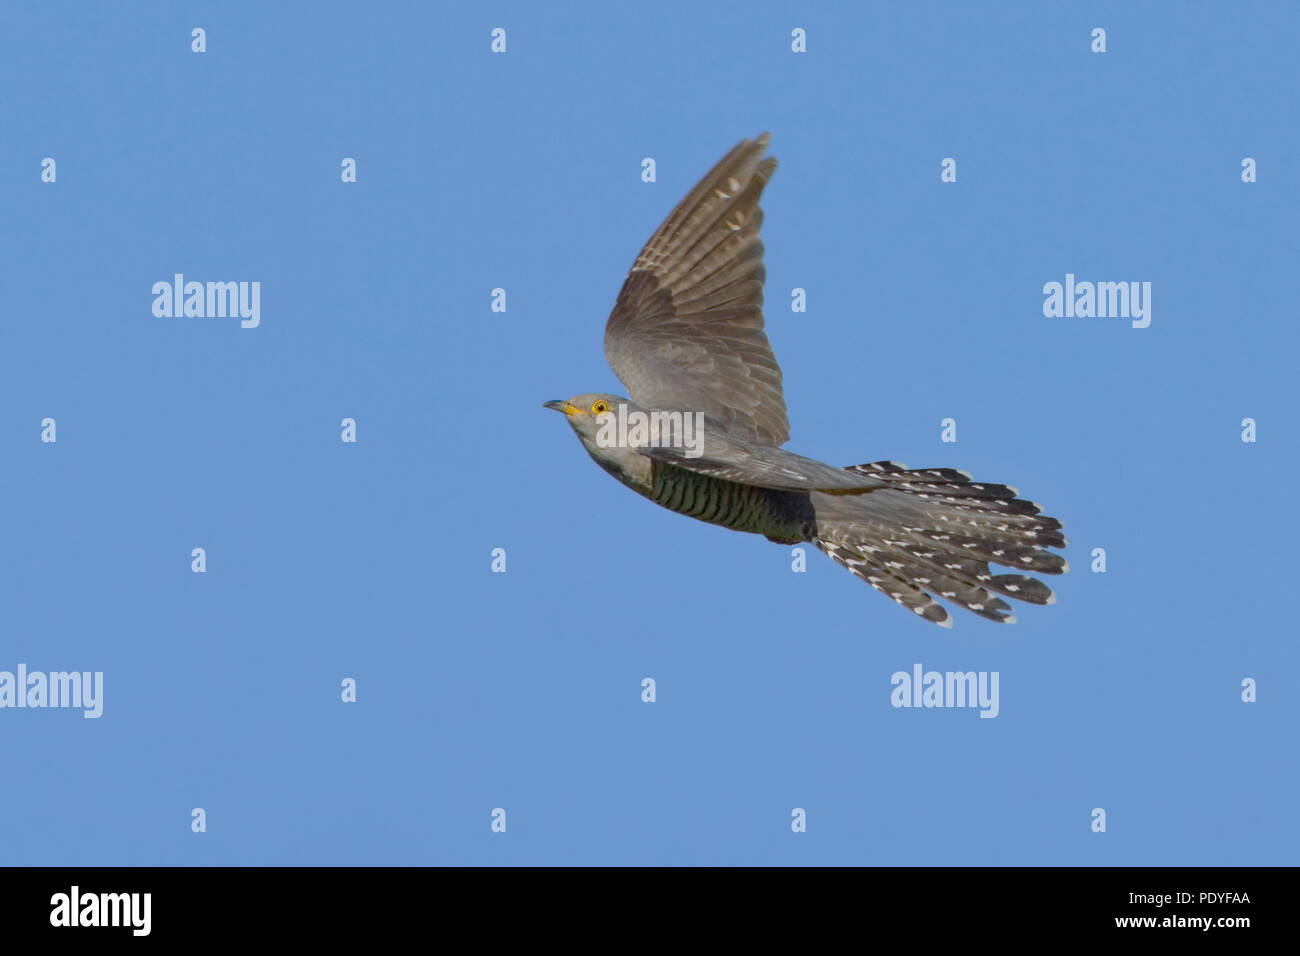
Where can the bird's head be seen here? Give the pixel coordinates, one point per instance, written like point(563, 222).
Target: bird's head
point(588, 414)
point(601, 422)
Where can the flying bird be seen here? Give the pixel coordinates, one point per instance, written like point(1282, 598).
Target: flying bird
point(701, 431)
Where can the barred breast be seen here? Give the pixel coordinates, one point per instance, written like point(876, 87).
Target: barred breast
point(786, 517)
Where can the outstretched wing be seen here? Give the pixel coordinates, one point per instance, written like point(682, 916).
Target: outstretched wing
point(687, 329)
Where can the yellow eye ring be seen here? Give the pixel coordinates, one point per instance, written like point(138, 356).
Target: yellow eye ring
point(600, 408)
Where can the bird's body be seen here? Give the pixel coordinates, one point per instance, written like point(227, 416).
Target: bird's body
point(701, 432)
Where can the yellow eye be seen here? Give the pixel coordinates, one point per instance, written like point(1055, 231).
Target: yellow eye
point(600, 408)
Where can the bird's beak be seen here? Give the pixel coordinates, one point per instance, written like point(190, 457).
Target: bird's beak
point(561, 406)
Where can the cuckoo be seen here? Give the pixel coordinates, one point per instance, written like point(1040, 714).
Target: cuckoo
point(701, 429)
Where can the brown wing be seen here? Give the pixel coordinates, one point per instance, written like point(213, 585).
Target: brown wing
point(687, 329)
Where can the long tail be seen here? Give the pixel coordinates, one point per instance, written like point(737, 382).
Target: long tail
point(934, 532)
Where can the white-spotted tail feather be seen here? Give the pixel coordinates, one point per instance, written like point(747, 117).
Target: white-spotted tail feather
point(930, 534)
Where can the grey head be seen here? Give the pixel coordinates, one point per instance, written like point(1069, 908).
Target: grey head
point(595, 418)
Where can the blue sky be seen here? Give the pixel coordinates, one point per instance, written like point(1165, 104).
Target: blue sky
point(522, 690)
